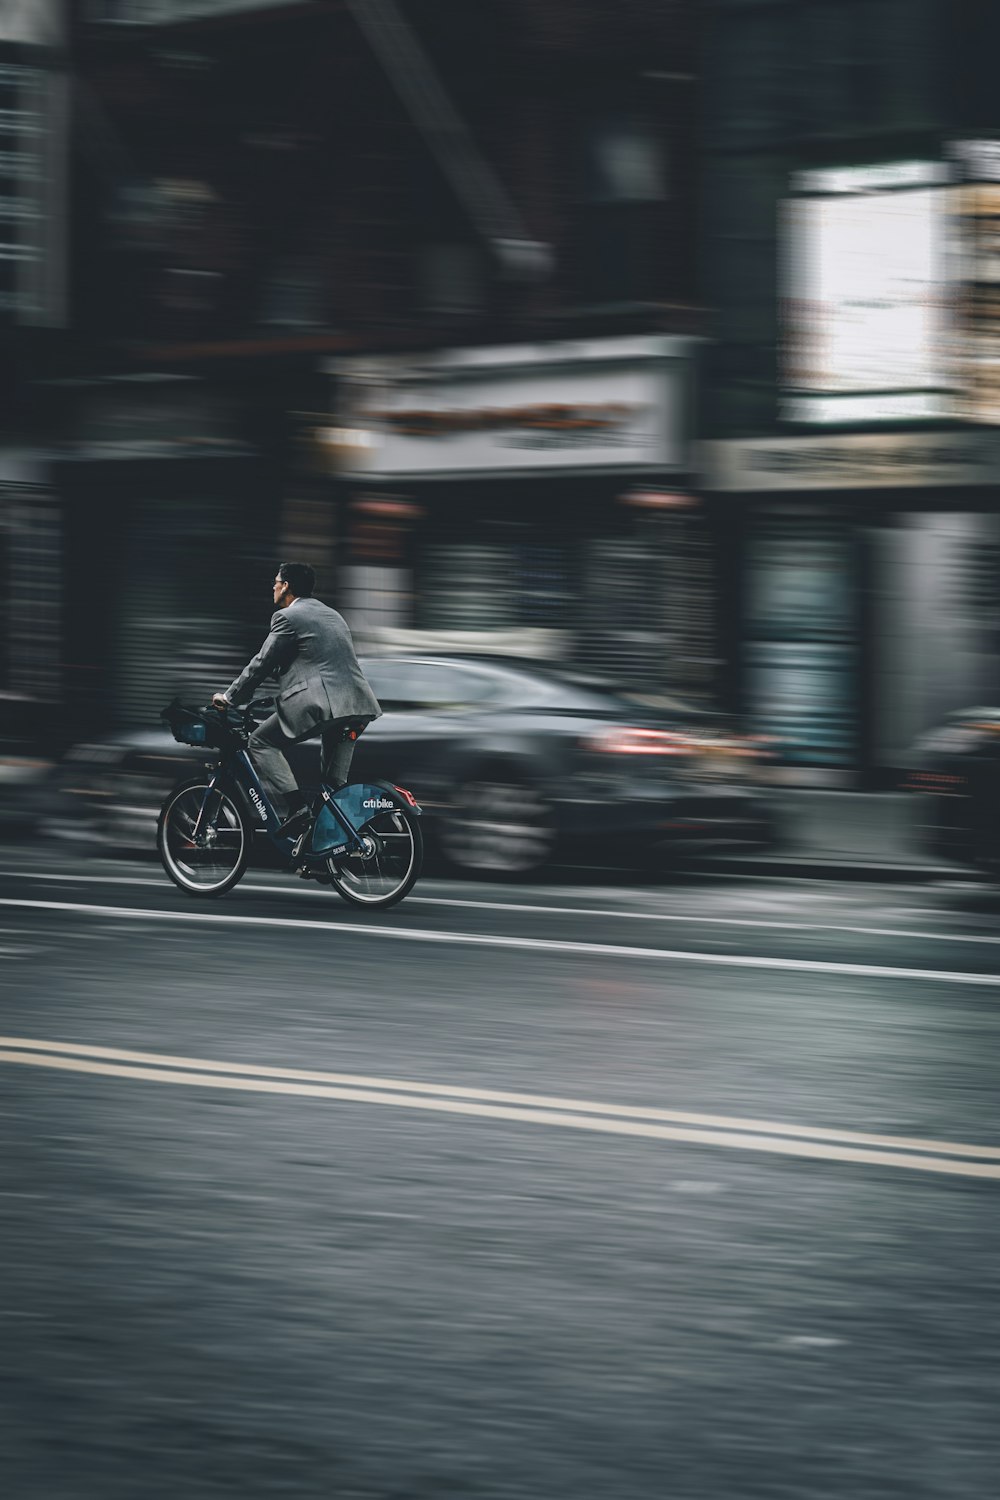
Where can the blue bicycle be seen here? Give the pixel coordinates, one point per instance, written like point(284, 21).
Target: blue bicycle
point(364, 839)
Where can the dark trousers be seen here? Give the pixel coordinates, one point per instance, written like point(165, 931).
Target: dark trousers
point(268, 743)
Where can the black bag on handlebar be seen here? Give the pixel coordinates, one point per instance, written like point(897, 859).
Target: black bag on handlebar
point(195, 726)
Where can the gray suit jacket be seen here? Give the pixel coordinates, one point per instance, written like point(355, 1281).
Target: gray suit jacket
point(311, 652)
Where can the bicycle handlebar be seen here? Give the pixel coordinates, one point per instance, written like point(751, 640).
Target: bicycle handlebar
point(240, 710)
point(241, 719)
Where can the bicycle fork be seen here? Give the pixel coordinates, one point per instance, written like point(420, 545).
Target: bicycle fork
point(198, 834)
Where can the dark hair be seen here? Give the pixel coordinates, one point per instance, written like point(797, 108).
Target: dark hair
point(300, 577)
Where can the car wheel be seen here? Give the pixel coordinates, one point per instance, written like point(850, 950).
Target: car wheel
point(503, 828)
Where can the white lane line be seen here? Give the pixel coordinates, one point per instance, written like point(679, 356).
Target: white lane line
point(497, 1096)
point(524, 944)
point(654, 916)
point(647, 1130)
point(770, 924)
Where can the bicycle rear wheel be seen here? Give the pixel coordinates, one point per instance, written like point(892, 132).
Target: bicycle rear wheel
point(211, 864)
point(388, 869)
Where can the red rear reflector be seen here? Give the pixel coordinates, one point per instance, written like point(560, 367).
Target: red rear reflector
point(407, 795)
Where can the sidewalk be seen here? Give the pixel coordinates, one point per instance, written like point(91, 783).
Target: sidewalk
point(846, 836)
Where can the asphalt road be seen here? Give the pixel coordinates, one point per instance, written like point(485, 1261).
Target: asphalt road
point(551, 1191)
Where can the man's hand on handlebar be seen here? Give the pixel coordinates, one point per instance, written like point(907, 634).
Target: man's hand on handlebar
point(219, 700)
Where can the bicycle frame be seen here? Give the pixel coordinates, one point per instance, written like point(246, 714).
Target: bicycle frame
point(334, 834)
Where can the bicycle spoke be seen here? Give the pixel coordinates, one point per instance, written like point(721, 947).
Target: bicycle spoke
point(377, 878)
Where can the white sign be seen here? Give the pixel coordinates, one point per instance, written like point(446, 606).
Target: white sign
point(866, 278)
point(615, 405)
point(856, 461)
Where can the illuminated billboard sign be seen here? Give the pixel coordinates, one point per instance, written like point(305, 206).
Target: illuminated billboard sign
point(868, 278)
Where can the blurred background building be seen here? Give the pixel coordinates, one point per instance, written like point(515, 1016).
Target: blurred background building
point(265, 203)
point(850, 205)
point(34, 212)
point(657, 339)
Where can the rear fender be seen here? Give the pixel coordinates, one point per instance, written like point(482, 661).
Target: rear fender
point(400, 795)
point(360, 802)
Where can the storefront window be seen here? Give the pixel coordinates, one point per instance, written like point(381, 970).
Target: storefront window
point(495, 586)
point(801, 638)
point(623, 183)
point(5, 572)
point(937, 623)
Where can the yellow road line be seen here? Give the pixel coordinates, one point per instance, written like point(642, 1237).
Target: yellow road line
point(499, 1096)
point(643, 1129)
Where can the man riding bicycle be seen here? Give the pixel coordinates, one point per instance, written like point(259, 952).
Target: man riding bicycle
point(322, 691)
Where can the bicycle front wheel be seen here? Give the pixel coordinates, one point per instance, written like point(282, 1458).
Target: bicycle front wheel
point(204, 858)
point(388, 868)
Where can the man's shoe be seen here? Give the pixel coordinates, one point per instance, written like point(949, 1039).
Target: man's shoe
point(297, 823)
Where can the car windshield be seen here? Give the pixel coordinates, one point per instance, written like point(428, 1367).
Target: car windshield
point(567, 695)
point(407, 684)
point(402, 684)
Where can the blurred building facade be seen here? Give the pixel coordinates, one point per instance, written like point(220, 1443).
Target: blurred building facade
point(850, 210)
point(266, 200)
point(421, 289)
point(513, 449)
point(34, 215)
